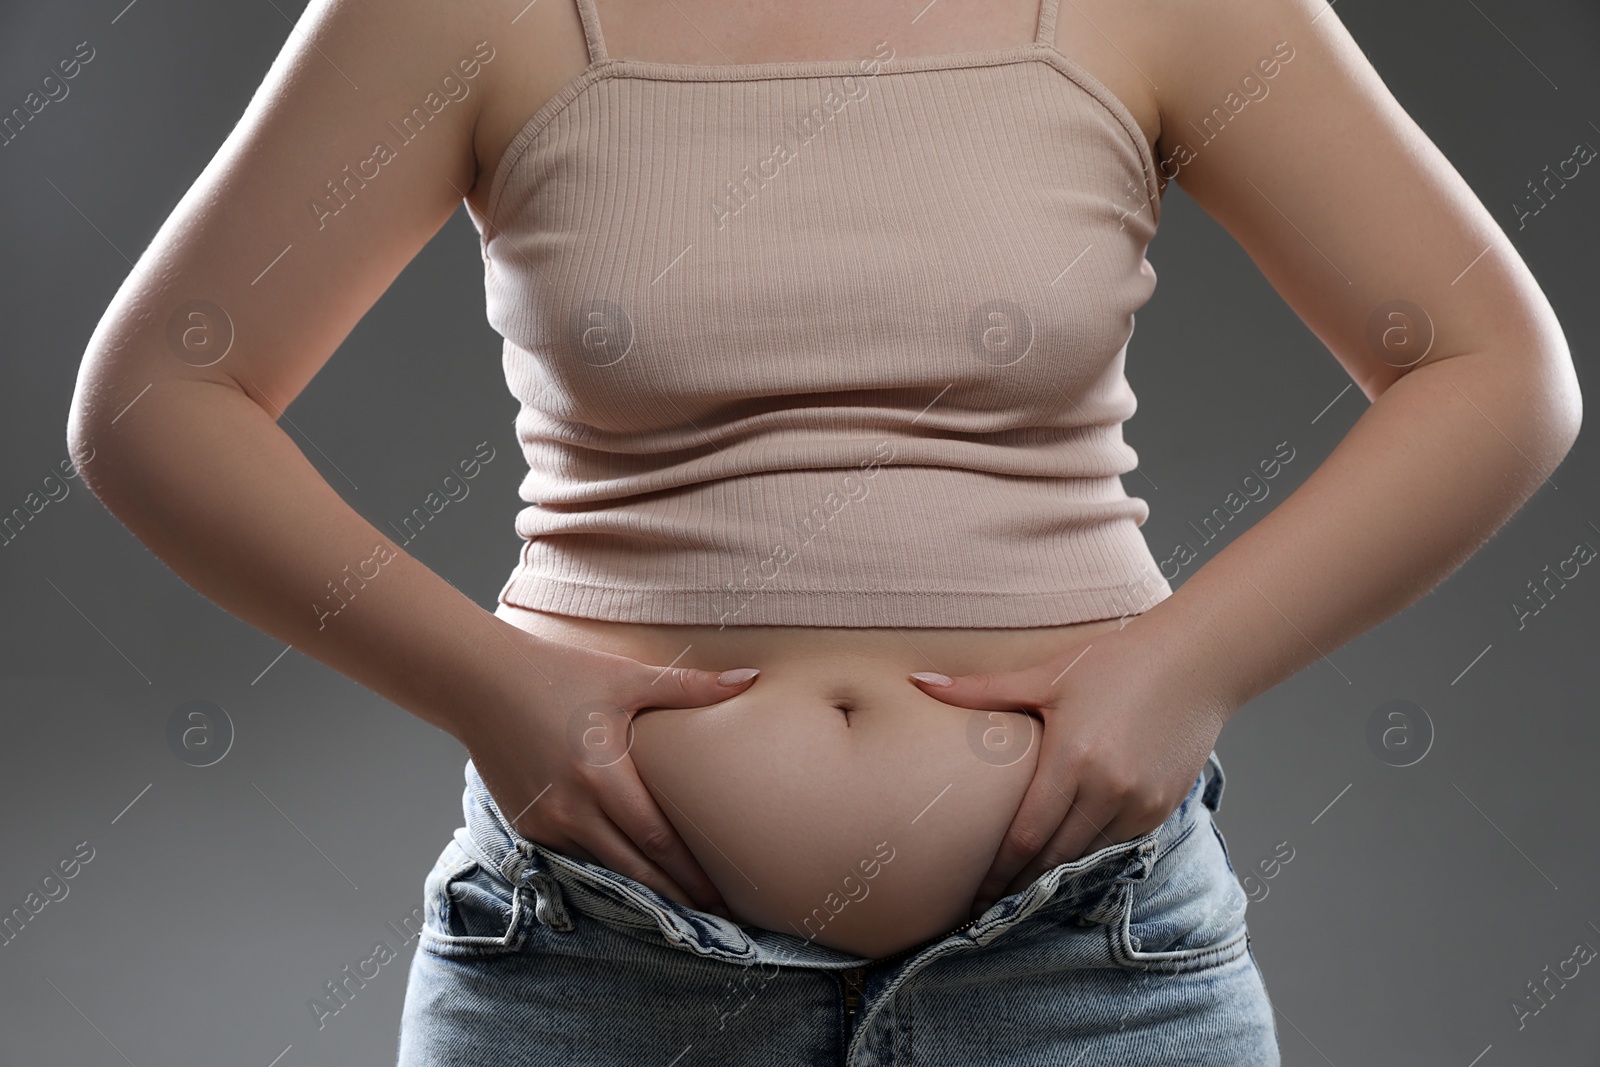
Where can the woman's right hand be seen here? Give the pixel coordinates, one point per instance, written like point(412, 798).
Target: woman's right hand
point(557, 764)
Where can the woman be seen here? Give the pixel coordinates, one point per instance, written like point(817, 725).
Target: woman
point(818, 318)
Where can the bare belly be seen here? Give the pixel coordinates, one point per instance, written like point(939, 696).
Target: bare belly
point(833, 799)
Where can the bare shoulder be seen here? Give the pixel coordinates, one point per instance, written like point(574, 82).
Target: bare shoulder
point(1215, 58)
point(486, 58)
point(356, 147)
point(1117, 42)
point(1175, 63)
point(495, 62)
point(401, 45)
point(1274, 121)
point(539, 48)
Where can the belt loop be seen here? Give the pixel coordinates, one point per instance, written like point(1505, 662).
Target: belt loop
point(1106, 905)
point(550, 905)
point(492, 838)
point(1212, 797)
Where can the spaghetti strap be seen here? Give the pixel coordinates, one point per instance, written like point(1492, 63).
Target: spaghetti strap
point(591, 29)
point(1047, 21)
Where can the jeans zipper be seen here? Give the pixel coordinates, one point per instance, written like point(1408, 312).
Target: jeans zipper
point(852, 978)
point(855, 977)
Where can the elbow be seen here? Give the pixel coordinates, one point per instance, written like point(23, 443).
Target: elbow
point(1529, 392)
point(83, 414)
point(84, 439)
point(1539, 382)
point(82, 452)
point(1555, 380)
point(1572, 420)
point(106, 388)
point(1556, 404)
point(81, 433)
point(1564, 399)
point(89, 425)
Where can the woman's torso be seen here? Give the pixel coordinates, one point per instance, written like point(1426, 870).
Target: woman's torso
point(792, 792)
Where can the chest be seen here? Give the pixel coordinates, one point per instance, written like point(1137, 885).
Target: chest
point(975, 229)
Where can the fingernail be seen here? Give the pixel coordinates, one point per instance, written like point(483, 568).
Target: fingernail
point(743, 674)
point(932, 679)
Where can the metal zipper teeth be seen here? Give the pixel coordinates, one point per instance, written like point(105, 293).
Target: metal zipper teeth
point(852, 990)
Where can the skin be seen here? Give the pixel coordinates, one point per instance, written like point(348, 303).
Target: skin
point(784, 789)
point(1337, 196)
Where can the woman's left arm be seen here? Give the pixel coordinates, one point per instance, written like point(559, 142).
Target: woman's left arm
point(1375, 240)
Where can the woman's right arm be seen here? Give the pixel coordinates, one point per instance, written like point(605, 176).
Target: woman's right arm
point(245, 292)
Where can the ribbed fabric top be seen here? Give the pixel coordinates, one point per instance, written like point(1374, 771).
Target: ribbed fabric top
point(826, 342)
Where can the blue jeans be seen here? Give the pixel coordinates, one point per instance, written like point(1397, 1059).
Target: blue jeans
point(1133, 954)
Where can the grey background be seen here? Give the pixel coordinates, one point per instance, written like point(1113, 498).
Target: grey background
point(1419, 900)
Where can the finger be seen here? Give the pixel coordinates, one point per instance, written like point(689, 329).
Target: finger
point(614, 850)
point(631, 807)
point(1083, 830)
point(1007, 691)
point(1043, 807)
point(689, 687)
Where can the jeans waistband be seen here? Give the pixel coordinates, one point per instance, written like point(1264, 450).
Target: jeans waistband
point(558, 881)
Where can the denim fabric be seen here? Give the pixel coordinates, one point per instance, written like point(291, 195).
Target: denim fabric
point(1134, 954)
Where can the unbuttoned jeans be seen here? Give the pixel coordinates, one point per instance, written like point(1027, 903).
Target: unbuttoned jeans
point(1134, 954)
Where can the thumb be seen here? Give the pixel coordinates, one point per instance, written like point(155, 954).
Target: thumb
point(689, 687)
point(1006, 691)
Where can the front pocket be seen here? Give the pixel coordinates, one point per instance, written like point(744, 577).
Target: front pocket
point(1189, 914)
point(470, 911)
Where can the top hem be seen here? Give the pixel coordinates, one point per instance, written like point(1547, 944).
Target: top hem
point(835, 608)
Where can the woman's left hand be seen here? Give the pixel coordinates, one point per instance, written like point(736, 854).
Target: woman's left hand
point(1121, 745)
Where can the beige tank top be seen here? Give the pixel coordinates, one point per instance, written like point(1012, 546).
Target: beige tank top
point(829, 342)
